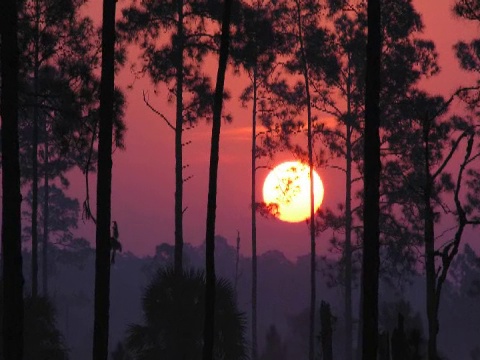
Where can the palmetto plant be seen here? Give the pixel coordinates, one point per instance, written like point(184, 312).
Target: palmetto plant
point(173, 308)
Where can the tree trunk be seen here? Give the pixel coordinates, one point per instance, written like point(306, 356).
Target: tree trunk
point(104, 186)
point(326, 334)
point(429, 239)
point(45, 219)
point(254, 218)
point(12, 333)
point(178, 145)
point(311, 347)
point(360, 321)
point(348, 245)
point(372, 169)
point(36, 66)
point(209, 323)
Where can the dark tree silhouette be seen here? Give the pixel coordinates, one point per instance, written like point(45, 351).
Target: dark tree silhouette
point(58, 100)
point(399, 340)
point(371, 212)
point(104, 185)
point(326, 332)
point(307, 51)
point(176, 63)
point(209, 325)
point(253, 49)
point(42, 339)
point(429, 163)
point(155, 340)
point(12, 323)
point(36, 67)
point(406, 59)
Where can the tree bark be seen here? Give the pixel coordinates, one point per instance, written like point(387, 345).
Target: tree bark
point(104, 185)
point(327, 331)
point(311, 342)
point(372, 169)
point(36, 67)
point(209, 324)
point(348, 239)
point(429, 239)
point(11, 200)
point(254, 218)
point(45, 219)
point(313, 255)
point(178, 258)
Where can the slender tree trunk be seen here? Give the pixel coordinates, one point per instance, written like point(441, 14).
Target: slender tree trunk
point(254, 218)
point(311, 347)
point(45, 218)
point(348, 227)
point(327, 331)
point(104, 186)
point(209, 323)
point(360, 321)
point(36, 67)
point(178, 145)
point(12, 333)
point(372, 167)
point(429, 235)
point(348, 248)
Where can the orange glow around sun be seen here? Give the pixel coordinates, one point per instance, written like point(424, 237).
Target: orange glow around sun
point(287, 190)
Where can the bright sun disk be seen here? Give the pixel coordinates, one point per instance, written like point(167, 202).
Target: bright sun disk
point(287, 187)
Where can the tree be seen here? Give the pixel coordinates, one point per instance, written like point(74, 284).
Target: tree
point(371, 212)
point(42, 339)
point(428, 163)
point(12, 323)
point(209, 324)
point(154, 338)
point(406, 59)
point(326, 333)
point(308, 57)
point(253, 49)
point(48, 49)
point(104, 185)
point(177, 64)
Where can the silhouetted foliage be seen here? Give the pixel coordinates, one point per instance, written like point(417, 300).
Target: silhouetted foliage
point(178, 302)
point(42, 339)
point(12, 287)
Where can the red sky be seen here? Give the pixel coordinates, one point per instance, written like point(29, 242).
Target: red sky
point(143, 175)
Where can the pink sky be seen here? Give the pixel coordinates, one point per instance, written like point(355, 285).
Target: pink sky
point(143, 175)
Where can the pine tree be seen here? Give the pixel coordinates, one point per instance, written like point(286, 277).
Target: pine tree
point(209, 323)
point(104, 185)
point(12, 321)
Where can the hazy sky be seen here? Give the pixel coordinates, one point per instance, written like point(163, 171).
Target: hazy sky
point(143, 175)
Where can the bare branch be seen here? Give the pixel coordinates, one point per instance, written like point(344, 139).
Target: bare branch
point(157, 112)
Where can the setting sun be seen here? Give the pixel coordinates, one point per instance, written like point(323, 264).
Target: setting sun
point(287, 187)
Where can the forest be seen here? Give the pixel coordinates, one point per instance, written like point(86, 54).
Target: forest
point(175, 253)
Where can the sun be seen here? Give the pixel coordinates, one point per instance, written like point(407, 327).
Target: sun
point(286, 191)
